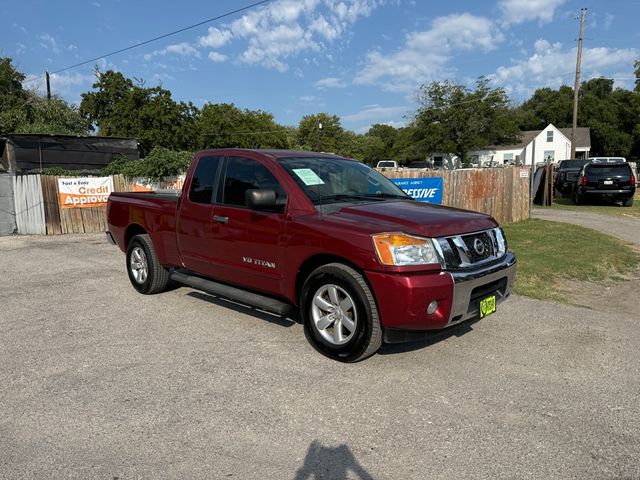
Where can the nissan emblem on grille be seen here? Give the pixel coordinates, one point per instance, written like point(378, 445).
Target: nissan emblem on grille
point(478, 246)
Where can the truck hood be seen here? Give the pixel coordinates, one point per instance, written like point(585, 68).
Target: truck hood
point(411, 217)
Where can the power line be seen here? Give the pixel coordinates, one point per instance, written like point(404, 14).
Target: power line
point(153, 39)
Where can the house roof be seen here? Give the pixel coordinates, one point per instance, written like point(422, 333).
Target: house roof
point(583, 139)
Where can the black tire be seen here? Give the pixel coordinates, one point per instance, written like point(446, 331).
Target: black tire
point(578, 199)
point(366, 337)
point(628, 202)
point(157, 277)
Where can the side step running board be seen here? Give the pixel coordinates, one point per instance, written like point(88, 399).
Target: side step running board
point(254, 299)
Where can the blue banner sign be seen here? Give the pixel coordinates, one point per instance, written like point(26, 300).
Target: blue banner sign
point(422, 189)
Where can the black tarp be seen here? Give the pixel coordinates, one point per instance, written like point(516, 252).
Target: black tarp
point(23, 153)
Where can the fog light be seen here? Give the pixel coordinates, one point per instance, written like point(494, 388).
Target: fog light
point(432, 307)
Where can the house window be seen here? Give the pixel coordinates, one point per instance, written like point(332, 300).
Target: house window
point(549, 155)
point(507, 158)
point(549, 135)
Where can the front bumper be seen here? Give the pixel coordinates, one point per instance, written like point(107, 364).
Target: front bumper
point(403, 299)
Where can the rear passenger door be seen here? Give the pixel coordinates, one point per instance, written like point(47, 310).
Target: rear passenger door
point(247, 245)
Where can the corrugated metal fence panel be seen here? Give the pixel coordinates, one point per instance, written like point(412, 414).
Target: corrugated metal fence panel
point(7, 207)
point(29, 204)
point(499, 192)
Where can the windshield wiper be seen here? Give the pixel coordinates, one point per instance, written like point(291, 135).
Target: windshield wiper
point(344, 197)
point(387, 195)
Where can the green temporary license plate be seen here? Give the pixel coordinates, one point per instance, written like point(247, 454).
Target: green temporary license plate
point(487, 306)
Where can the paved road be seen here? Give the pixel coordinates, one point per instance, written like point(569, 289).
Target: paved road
point(101, 382)
point(626, 228)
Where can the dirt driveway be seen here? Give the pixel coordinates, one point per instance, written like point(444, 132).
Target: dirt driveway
point(101, 382)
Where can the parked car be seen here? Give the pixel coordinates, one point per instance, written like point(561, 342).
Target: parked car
point(321, 235)
point(420, 164)
point(387, 164)
point(566, 175)
point(608, 159)
point(606, 181)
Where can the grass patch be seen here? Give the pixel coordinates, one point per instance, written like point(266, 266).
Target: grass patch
point(604, 208)
point(552, 252)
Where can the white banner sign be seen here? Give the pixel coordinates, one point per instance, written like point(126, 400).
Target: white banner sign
point(84, 192)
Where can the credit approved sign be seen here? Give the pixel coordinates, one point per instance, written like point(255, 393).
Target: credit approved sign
point(84, 192)
point(422, 189)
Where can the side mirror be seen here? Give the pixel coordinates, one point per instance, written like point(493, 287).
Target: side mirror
point(261, 199)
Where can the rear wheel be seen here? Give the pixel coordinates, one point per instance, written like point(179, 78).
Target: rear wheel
point(340, 314)
point(146, 273)
point(577, 198)
point(628, 202)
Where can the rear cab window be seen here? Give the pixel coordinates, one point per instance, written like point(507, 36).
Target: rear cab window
point(202, 183)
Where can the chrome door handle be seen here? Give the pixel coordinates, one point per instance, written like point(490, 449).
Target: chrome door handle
point(220, 219)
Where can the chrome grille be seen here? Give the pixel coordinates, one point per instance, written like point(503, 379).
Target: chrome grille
point(469, 250)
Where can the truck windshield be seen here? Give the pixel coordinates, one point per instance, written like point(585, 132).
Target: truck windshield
point(330, 180)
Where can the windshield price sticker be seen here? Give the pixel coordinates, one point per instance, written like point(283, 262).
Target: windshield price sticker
point(308, 176)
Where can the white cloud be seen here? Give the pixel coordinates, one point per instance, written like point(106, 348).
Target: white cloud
point(272, 34)
point(49, 43)
point(426, 54)
point(215, 38)
point(217, 57)
point(19, 27)
point(520, 11)
point(330, 82)
point(552, 66)
point(376, 112)
point(183, 49)
point(308, 98)
point(66, 84)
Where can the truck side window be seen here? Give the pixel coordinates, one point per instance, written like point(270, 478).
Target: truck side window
point(244, 174)
point(204, 177)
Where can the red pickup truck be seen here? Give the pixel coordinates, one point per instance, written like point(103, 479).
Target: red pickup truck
point(318, 234)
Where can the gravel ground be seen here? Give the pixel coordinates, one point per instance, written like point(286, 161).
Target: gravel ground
point(101, 382)
point(625, 228)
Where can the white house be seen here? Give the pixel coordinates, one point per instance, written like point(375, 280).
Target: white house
point(551, 143)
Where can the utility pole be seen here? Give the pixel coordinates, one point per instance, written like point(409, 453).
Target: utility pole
point(48, 85)
point(583, 14)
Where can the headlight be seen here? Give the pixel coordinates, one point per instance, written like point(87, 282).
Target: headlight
point(400, 249)
point(501, 241)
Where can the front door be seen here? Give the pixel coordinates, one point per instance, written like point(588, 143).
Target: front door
point(248, 244)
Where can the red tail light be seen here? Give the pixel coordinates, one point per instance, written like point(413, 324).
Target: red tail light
point(633, 181)
point(583, 181)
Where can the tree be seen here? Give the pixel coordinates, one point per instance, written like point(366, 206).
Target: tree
point(12, 97)
point(118, 106)
point(547, 106)
point(321, 132)
point(636, 64)
point(383, 137)
point(456, 119)
point(225, 125)
point(54, 117)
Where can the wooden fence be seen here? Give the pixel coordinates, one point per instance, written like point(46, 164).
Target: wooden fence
point(499, 192)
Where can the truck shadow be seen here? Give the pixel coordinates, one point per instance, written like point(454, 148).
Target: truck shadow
point(330, 463)
point(431, 339)
point(244, 309)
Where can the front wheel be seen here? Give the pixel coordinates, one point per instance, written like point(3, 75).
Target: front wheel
point(146, 273)
point(340, 314)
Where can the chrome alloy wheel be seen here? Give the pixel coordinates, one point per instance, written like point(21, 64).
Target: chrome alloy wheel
point(334, 314)
point(139, 265)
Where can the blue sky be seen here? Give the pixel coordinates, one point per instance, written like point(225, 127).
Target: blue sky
point(362, 60)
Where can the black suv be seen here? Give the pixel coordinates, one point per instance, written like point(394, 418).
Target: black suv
point(606, 181)
point(566, 175)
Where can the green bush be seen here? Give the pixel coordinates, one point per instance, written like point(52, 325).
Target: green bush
point(161, 162)
point(58, 172)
